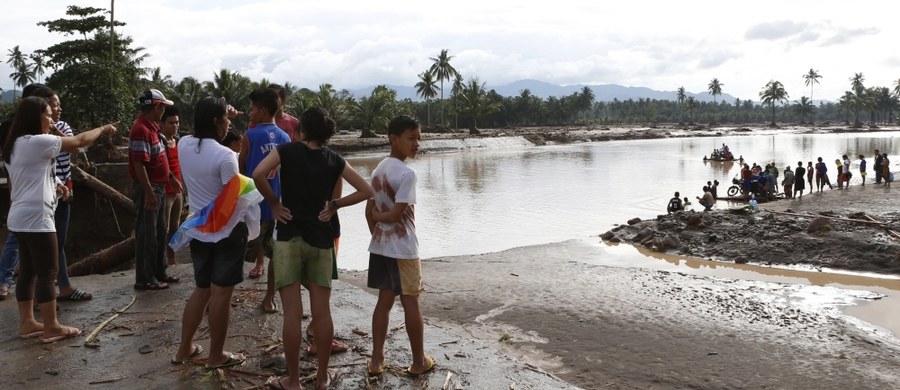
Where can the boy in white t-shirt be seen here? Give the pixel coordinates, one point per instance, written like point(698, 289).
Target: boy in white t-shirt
point(394, 265)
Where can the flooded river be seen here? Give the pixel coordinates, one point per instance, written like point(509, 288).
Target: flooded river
point(504, 193)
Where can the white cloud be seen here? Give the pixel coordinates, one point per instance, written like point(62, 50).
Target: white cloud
point(353, 44)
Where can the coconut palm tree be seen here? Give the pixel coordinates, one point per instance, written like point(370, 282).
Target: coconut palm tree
point(897, 87)
point(15, 59)
point(773, 93)
point(804, 107)
point(691, 104)
point(455, 91)
point(681, 96)
point(38, 64)
point(811, 78)
point(476, 102)
point(374, 111)
point(442, 70)
point(846, 104)
point(23, 75)
point(856, 82)
point(427, 89)
point(715, 89)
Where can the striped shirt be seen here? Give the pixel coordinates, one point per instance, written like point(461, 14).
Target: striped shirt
point(64, 159)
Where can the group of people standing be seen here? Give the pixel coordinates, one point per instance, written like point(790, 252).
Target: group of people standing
point(299, 180)
point(37, 148)
point(796, 179)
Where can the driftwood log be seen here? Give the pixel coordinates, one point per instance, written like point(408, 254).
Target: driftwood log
point(863, 221)
point(117, 254)
point(103, 189)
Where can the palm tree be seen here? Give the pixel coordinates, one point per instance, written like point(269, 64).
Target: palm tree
point(585, 100)
point(15, 60)
point(375, 110)
point(442, 69)
point(773, 93)
point(23, 75)
point(846, 104)
point(681, 96)
point(810, 79)
point(804, 107)
point(38, 63)
point(897, 87)
point(455, 91)
point(691, 104)
point(715, 89)
point(856, 82)
point(427, 89)
point(476, 102)
point(327, 98)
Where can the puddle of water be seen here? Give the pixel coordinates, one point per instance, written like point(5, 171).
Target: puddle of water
point(882, 313)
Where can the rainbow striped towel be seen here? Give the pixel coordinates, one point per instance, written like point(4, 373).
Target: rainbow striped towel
point(238, 201)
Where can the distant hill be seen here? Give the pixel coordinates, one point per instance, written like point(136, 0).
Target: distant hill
point(603, 92)
point(7, 96)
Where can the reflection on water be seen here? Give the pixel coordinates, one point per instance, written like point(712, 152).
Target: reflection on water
point(487, 200)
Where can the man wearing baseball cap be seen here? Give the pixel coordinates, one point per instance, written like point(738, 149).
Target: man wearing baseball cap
point(149, 168)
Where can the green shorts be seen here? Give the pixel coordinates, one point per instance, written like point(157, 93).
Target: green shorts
point(297, 261)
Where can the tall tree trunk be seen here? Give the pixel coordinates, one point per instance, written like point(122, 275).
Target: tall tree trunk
point(104, 260)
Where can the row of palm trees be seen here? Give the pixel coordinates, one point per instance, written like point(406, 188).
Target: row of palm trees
point(857, 99)
point(26, 68)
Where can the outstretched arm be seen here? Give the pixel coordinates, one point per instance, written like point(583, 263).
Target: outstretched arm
point(72, 144)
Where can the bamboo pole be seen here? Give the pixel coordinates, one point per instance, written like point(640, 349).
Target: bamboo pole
point(90, 338)
point(828, 217)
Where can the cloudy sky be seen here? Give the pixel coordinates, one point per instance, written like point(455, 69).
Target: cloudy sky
point(353, 44)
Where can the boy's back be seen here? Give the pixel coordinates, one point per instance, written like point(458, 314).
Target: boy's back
point(395, 182)
point(262, 139)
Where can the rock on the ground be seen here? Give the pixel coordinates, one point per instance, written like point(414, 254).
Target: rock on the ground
point(634, 221)
point(819, 225)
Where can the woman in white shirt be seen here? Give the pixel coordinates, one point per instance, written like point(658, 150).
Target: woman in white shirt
point(30, 154)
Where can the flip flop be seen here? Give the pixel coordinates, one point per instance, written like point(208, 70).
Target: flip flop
point(266, 310)
point(430, 366)
point(77, 295)
point(372, 372)
point(169, 279)
point(52, 339)
point(150, 286)
point(31, 335)
point(234, 359)
point(274, 383)
point(336, 347)
point(197, 349)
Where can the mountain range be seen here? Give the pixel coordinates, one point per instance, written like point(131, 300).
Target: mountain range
point(544, 90)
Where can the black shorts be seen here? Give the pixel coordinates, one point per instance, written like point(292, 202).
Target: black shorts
point(220, 263)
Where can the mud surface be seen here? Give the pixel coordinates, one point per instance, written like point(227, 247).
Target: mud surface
point(824, 237)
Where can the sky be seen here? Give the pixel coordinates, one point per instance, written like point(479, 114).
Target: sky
point(354, 44)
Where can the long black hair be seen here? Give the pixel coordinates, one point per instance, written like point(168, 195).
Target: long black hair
point(27, 121)
point(206, 112)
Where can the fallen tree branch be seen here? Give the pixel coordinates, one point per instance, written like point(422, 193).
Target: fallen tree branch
point(891, 232)
point(90, 338)
point(828, 217)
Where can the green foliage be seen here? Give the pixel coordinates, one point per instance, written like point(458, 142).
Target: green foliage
point(97, 75)
point(375, 111)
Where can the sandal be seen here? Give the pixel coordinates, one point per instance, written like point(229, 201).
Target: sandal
point(429, 365)
point(169, 279)
point(336, 347)
point(234, 359)
point(4, 291)
point(73, 332)
point(77, 295)
point(197, 349)
point(372, 372)
point(150, 286)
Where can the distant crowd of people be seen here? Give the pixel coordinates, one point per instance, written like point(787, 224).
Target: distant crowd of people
point(762, 182)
